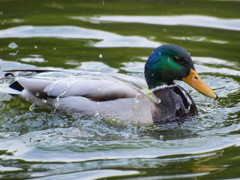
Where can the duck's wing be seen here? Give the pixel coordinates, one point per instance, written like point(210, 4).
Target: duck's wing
point(95, 86)
point(94, 89)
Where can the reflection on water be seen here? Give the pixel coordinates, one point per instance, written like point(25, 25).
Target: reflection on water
point(100, 37)
point(198, 38)
point(96, 66)
point(193, 20)
point(107, 39)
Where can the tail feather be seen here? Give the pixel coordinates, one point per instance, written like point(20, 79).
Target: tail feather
point(16, 86)
point(10, 86)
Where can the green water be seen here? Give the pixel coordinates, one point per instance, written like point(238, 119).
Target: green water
point(118, 36)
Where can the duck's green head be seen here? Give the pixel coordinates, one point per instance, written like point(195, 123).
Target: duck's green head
point(170, 62)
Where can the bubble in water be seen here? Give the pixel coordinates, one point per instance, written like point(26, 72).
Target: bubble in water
point(13, 45)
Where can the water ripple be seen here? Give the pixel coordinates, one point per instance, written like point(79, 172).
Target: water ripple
point(106, 39)
point(188, 20)
point(91, 174)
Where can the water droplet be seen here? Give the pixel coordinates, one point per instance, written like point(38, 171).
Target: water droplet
point(98, 68)
point(156, 99)
point(136, 99)
point(55, 108)
point(54, 48)
point(161, 137)
point(100, 56)
point(168, 60)
point(44, 101)
point(55, 105)
point(97, 114)
point(53, 111)
point(14, 54)
point(218, 114)
point(32, 107)
point(35, 47)
point(13, 45)
point(151, 96)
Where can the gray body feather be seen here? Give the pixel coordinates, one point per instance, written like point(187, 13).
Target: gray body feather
point(112, 96)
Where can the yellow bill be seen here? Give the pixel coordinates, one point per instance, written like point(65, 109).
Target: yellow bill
point(196, 82)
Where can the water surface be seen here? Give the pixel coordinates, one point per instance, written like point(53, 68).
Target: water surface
point(118, 37)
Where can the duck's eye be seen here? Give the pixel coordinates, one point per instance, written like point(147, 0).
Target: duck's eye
point(176, 58)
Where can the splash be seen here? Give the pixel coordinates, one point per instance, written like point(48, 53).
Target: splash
point(151, 96)
point(139, 88)
point(56, 104)
point(5, 81)
point(216, 106)
point(44, 101)
point(217, 112)
point(32, 107)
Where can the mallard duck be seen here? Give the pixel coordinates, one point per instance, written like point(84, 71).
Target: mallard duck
point(116, 96)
